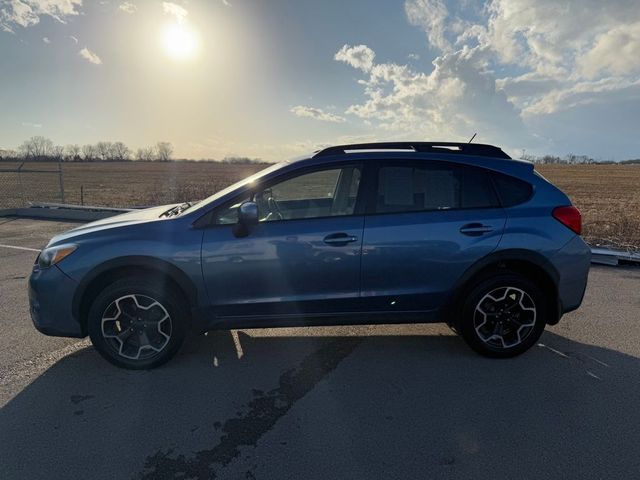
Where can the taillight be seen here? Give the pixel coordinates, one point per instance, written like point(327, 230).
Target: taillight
point(570, 217)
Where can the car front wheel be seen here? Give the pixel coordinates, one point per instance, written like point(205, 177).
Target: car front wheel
point(137, 323)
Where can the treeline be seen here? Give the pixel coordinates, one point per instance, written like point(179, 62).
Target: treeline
point(571, 159)
point(41, 149)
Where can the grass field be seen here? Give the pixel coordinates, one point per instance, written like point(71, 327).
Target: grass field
point(607, 195)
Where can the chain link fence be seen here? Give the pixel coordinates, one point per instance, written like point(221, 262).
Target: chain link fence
point(24, 184)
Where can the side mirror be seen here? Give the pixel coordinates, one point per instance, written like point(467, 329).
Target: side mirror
point(248, 213)
point(247, 216)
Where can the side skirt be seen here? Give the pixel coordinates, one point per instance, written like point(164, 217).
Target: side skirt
point(315, 320)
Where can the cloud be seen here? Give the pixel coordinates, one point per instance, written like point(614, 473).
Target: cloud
point(504, 68)
point(359, 56)
point(90, 56)
point(431, 15)
point(458, 97)
point(31, 125)
point(317, 113)
point(226, 3)
point(584, 93)
point(178, 12)
point(26, 13)
point(569, 55)
point(46, 40)
point(615, 51)
point(128, 7)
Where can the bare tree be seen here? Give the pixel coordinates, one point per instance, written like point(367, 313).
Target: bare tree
point(120, 152)
point(89, 153)
point(6, 154)
point(36, 148)
point(164, 151)
point(72, 153)
point(145, 154)
point(57, 153)
point(103, 149)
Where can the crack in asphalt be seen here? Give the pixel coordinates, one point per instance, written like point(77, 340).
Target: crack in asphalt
point(262, 414)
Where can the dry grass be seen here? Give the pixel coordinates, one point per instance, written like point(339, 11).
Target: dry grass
point(607, 195)
point(125, 184)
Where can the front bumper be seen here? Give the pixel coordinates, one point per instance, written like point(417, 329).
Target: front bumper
point(50, 296)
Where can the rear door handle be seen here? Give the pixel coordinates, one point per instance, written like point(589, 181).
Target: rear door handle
point(338, 239)
point(475, 229)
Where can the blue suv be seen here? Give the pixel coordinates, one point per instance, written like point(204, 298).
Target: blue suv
point(354, 234)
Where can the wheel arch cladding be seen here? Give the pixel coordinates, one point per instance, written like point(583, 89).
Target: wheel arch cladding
point(529, 264)
point(110, 271)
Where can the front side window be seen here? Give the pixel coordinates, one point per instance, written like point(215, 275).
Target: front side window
point(323, 193)
point(228, 215)
point(437, 186)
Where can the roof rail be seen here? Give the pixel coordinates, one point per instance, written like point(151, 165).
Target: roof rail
point(478, 149)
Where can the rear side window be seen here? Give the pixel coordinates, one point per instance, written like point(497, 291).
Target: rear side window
point(437, 186)
point(512, 191)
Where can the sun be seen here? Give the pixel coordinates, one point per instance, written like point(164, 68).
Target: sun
point(180, 41)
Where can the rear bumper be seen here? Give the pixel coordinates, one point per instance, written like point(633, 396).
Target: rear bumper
point(50, 296)
point(572, 263)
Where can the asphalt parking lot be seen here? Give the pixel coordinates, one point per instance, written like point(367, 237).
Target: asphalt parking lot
point(317, 403)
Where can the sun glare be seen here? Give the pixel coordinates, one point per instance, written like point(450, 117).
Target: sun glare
point(180, 42)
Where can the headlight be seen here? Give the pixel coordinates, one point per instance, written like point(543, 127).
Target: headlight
point(52, 255)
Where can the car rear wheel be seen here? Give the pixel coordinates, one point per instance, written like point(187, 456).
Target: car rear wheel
point(137, 323)
point(503, 316)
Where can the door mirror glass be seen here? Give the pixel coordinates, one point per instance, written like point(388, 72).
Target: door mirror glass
point(248, 213)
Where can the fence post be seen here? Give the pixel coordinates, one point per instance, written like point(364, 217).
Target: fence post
point(61, 180)
point(24, 202)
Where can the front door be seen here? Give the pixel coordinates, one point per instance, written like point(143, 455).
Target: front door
point(303, 257)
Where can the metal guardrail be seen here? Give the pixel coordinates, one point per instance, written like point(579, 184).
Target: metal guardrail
point(67, 206)
point(57, 211)
point(606, 256)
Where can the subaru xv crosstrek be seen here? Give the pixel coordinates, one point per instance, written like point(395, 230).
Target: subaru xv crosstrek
point(406, 232)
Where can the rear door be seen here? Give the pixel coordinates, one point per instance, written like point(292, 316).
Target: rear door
point(427, 222)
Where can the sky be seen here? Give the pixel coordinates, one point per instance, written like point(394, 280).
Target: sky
point(275, 79)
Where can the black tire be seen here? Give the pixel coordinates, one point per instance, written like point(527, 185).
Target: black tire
point(145, 290)
point(472, 324)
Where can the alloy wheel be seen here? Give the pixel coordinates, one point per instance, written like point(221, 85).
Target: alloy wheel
point(504, 317)
point(136, 326)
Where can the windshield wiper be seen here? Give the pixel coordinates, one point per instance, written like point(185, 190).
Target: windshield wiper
point(178, 209)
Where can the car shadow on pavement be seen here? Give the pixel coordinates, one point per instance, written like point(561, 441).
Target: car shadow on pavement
point(397, 401)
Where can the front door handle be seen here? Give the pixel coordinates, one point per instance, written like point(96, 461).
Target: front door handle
point(338, 239)
point(475, 229)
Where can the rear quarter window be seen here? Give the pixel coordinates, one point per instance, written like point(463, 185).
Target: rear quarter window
point(512, 191)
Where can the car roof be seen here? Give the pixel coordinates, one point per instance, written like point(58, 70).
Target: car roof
point(480, 155)
point(453, 148)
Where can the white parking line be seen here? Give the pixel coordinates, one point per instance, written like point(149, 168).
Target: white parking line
point(557, 352)
point(20, 248)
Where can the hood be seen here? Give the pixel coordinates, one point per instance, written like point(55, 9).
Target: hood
point(129, 218)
